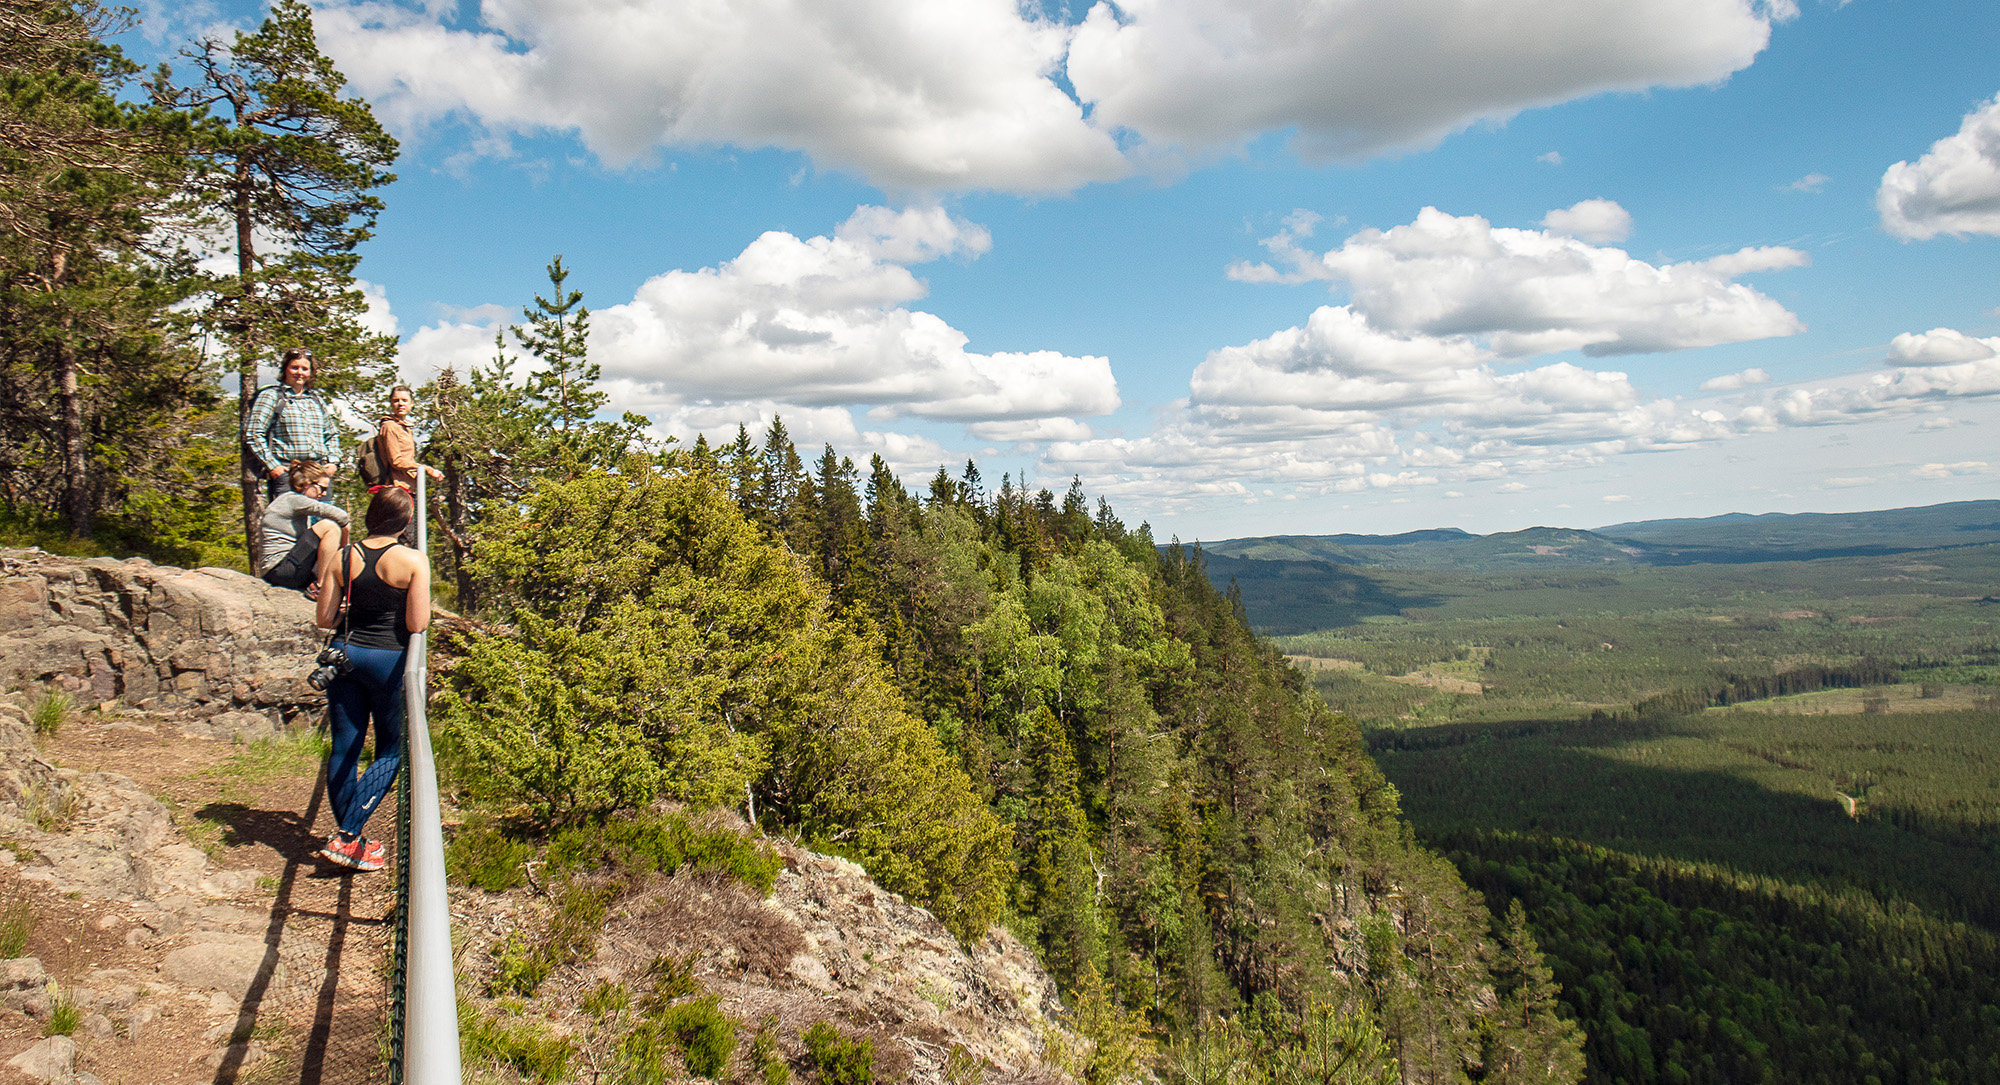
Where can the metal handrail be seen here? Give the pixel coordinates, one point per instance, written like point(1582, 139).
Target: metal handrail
point(423, 1046)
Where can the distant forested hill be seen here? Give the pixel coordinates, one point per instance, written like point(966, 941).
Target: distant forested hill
point(1295, 584)
point(1794, 534)
point(1731, 538)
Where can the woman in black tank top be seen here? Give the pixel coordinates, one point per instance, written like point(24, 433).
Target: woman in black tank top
point(386, 588)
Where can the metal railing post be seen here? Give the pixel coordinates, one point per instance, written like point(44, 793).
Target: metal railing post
point(429, 1048)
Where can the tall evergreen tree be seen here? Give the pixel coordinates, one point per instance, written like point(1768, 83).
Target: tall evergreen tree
point(558, 333)
point(840, 529)
point(86, 284)
point(288, 164)
point(1528, 1041)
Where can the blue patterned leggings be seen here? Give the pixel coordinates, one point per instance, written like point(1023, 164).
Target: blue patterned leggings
point(372, 690)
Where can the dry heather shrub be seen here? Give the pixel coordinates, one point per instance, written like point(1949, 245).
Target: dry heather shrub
point(721, 914)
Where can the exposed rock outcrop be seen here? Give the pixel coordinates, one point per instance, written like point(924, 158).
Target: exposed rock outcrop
point(156, 637)
point(828, 944)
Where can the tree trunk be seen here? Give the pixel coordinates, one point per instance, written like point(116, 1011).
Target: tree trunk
point(246, 365)
point(69, 399)
point(456, 521)
point(76, 464)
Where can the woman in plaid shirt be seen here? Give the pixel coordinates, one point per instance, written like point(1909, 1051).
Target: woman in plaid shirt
point(290, 422)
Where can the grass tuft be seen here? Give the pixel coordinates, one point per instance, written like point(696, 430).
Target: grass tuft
point(52, 809)
point(16, 924)
point(64, 1018)
point(50, 711)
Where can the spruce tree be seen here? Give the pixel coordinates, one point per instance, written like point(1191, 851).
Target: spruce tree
point(558, 333)
point(1529, 1041)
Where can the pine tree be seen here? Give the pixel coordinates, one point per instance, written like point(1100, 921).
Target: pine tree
point(86, 283)
point(739, 464)
point(1529, 1041)
point(1061, 871)
point(483, 434)
point(284, 154)
point(840, 530)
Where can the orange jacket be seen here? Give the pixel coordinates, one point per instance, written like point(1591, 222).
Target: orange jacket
point(399, 453)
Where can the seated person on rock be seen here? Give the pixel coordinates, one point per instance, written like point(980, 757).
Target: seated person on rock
point(300, 526)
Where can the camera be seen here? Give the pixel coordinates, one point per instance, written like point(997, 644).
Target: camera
point(332, 664)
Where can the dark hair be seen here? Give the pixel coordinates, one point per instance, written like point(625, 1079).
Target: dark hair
point(292, 354)
point(402, 388)
point(390, 512)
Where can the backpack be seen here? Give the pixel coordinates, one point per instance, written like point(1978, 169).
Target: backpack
point(368, 461)
point(249, 453)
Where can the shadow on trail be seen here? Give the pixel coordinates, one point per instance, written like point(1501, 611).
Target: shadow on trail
point(286, 832)
point(332, 1008)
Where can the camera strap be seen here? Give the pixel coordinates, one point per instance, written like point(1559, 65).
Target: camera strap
point(346, 617)
point(346, 611)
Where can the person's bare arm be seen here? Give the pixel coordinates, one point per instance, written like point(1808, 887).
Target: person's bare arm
point(326, 612)
point(417, 607)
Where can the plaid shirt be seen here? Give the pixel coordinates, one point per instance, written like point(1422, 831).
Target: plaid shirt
point(285, 425)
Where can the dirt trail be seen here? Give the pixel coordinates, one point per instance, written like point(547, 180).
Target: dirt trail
point(271, 970)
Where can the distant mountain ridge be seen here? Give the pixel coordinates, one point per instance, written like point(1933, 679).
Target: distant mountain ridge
point(1731, 538)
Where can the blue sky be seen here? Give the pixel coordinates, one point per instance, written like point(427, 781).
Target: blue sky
point(1246, 267)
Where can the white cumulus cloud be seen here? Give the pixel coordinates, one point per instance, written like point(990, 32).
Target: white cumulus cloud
point(1537, 291)
point(1732, 381)
point(797, 325)
point(1591, 220)
point(989, 94)
point(1954, 189)
point(1940, 346)
point(1354, 77)
point(1930, 371)
point(822, 321)
point(911, 96)
point(1338, 406)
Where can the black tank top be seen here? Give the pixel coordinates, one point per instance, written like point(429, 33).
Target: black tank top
point(375, 611)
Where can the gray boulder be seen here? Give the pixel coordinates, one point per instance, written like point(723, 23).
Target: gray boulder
point(156, 636)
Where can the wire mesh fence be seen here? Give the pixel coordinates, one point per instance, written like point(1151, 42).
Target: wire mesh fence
point(320, 1004)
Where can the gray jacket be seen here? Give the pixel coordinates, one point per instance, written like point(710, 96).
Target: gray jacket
point(289, 515)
